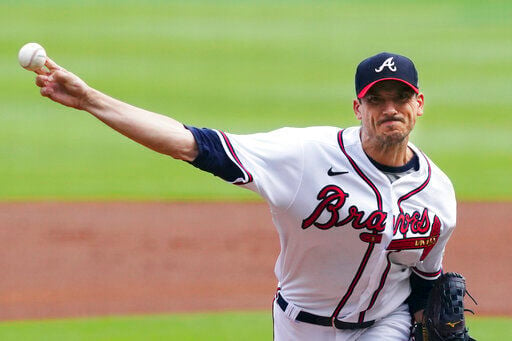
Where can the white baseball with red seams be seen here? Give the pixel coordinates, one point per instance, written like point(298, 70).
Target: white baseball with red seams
point(32, 56)
point(349, 237)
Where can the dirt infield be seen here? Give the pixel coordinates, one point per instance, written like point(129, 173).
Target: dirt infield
point(82, 259)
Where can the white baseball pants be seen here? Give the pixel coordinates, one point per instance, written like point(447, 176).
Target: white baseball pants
point(394, 327)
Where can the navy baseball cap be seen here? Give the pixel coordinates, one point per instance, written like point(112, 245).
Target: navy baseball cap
point(385, 66)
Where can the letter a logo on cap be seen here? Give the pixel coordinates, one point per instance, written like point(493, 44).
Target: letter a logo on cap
point(385, 66)
point(389, 63)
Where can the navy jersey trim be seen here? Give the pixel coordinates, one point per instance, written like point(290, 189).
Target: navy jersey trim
point(413, 163)
point(212, 157)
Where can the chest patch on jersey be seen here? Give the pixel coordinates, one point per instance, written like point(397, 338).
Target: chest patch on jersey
point(332, 198)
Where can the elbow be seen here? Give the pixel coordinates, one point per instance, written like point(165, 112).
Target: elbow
point(187, 152)
point(188, 155)
point(182, 148)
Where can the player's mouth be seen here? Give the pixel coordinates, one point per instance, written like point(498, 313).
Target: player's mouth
point(391, 120)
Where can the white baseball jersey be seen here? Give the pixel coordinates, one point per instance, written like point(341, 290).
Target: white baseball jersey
point(349, 237)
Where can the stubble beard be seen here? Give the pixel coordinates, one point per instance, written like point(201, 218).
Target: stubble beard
point(391, 140)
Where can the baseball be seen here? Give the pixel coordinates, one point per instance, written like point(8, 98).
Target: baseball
point(32, 56)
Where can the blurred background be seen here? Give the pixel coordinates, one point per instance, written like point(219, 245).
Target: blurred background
point(246, 66)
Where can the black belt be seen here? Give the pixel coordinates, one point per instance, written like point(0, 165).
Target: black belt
point(304, 316)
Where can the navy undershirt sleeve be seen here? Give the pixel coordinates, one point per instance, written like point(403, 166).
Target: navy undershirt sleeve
point(212, 158)
point(420, 289)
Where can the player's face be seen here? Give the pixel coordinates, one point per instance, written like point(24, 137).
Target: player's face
point(388, 112)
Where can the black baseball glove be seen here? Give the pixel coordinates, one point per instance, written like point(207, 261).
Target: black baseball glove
point(444, 314)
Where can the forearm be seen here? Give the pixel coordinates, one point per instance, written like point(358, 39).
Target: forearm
point(157, 132)
point(418, 316)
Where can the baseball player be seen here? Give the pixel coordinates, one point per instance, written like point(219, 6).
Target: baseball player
point(363, 215)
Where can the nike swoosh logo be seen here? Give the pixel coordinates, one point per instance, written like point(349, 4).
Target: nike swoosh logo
point(330, 172)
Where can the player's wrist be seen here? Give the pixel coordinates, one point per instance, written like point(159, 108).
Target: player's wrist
point(92, 100)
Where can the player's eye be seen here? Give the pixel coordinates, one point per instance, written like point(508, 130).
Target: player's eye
point(405, 96)
point(373, 99)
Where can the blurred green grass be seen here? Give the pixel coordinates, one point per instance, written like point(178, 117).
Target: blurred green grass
point(185, 327)
point(246, 66)
point(188, 327)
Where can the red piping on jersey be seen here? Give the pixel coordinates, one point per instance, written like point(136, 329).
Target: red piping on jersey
point(427, 274)
point(417, 190)
point(354, 281)
point(376, 293)
point(371, 245)
point(233, 153)
point(359, 172)
point(436, 226)
point(433, 234)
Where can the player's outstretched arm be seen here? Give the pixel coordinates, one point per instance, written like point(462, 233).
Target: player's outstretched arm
point(158, 132)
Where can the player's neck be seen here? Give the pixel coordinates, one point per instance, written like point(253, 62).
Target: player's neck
point(393, 155)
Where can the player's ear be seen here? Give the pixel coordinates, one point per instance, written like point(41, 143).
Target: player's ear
point(420, 101)
point(357, 108)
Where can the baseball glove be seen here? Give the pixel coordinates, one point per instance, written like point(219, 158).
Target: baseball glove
point(444, 314)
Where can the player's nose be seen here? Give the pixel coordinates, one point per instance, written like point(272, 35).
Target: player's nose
point(389, 107)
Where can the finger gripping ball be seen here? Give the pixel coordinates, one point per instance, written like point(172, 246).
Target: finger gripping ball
point(32, 56)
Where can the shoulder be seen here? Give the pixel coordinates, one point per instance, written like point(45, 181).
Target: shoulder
point(436, 174)
point(441, 192)
point(441, 178)
point(293, 135)
point(351, 136)
point(319, 134)
point(309, 133)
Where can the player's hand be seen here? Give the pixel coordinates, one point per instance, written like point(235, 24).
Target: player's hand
point(62, 86)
